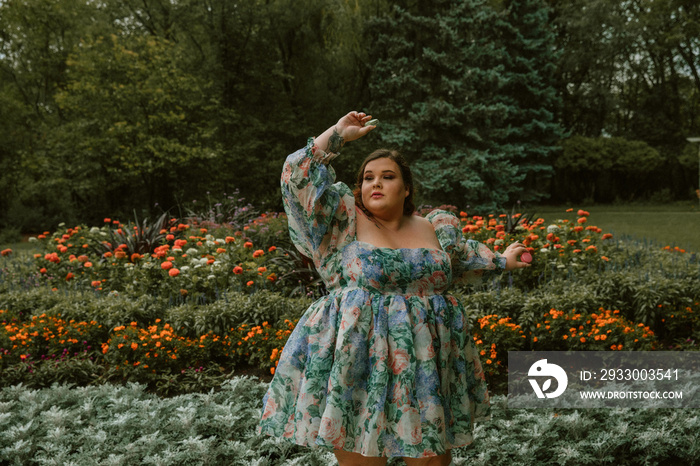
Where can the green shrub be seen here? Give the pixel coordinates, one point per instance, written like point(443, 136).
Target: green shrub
point(234, 310)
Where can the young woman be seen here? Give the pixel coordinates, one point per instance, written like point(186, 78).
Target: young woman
point(385, 364)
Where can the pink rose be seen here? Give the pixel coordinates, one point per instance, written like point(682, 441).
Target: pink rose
point(399, 358)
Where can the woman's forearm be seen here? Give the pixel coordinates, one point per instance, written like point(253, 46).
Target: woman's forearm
point(330, 140)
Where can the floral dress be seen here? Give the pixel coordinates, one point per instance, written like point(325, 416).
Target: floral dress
point(384, 365)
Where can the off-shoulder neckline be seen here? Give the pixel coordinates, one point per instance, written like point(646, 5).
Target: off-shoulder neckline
point(399, 249)
point(433, 212)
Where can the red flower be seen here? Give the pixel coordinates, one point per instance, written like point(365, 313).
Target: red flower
point(272, 248)
point(167, 265)
point(230, 239)
point(250, 283)
point(96, 283)
point(582, 220)
point(582, 213)
point(173, 272)
point(258, 253)
point(69, 276)
point(6, 252)
point(248, 244)
point(169, 237)
point(238, 270)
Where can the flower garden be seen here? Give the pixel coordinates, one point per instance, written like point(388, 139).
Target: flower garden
point(158, 313)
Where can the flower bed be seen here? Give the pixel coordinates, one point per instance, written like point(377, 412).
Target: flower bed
point(175, 301)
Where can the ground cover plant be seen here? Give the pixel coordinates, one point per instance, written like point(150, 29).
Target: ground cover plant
point(181, 305)
point(112, 424)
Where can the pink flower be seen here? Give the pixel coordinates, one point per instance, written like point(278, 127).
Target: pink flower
point(270, 408)
point(409, 427)
point(399, 358)
point(332, 430)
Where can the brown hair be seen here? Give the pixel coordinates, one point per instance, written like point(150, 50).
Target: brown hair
point(408, 205)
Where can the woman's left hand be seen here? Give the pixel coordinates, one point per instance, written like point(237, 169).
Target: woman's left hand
point(512, 253)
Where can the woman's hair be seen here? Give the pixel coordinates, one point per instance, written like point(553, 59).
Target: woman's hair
point(408, 206)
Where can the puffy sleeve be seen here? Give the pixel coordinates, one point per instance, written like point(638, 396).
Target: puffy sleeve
point(472, 261)
point(320, 212)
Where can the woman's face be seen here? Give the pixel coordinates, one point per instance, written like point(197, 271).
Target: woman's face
point(383, 189)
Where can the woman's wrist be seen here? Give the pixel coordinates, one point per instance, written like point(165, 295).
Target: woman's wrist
point(330, 140)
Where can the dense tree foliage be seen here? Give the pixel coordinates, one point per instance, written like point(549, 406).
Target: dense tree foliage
point(110, 107)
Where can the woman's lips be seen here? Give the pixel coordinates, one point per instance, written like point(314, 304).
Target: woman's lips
point(377, 195)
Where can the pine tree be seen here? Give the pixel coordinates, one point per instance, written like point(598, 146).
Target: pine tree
point(438, 74)
point(529, 131)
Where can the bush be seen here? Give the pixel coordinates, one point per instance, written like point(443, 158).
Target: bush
point(234, 310)
point(587, 166)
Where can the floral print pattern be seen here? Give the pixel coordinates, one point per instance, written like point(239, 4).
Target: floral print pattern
point(385, 364)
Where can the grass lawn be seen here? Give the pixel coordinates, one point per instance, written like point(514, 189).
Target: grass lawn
point(667, 225)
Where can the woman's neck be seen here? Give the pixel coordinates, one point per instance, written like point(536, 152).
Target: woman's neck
point(392, 224)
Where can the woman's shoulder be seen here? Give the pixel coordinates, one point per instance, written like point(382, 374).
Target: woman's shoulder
point(440, 218)
point(447, 228)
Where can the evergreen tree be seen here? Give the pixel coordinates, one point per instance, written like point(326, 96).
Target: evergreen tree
point(530, 131)
point(439, 72)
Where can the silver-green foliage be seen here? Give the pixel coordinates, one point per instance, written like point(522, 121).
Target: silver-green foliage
point(115, 425)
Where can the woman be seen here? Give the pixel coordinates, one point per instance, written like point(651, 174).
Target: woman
point(385, 364)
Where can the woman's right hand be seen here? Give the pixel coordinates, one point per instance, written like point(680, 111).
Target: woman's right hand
point(352, 126)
